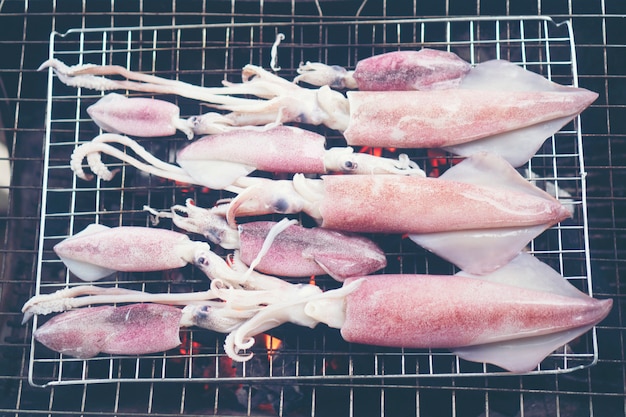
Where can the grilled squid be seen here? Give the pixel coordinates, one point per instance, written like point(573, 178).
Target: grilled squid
point(99, 251)
point(148, 117)
point(513, 317)
point(220, 161)
point(478, 215)
point(426, 69)
point(150, 322)
point(290, 251)
point(497, 107)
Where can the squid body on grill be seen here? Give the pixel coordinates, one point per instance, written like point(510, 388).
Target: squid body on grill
point(153, 325)
point(134, 329)
point(281, 248)
point(290, 251)
point(426, 69)
point(219, 161)
point(497, 107)
point(98, 251)
point(478, 215)
point(513, 317)
point(138, 116)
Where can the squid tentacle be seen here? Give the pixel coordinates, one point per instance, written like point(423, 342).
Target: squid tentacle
point(216, 268)
point(84, 295)
point(205, 222)
point(94, 77)
point(301, 309)
point(99, 144)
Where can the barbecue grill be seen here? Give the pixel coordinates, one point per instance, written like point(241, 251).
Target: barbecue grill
point(296, 371)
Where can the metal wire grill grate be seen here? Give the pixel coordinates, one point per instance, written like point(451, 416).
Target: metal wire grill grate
point(192, 54)
point(598, 390)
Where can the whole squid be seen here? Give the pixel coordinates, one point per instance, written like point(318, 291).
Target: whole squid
point(426, 69)
point(497, 107)
point(220, 160)
point(290, 251)
point(98, 251)
point(151, 323)
point(513, 317)
point(478, 215)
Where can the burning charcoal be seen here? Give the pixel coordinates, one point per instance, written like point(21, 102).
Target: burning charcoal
point(263, 395)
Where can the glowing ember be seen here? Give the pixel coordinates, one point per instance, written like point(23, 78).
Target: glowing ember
point(374, 151)
point(187, 347)
point(272, 344)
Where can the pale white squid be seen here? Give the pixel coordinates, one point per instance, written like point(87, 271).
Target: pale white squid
point(513, 317)
point(497, 107)
point(426, 69)
point(478, 215)
point(290, 251)
point(220, 161)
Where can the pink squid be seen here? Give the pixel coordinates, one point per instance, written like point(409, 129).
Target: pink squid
point(134, 329)
point(498, 107)
point(478, 215)
point(293, 251)
point(99, 251)
point(149, 117)
point(138, 329)
point(220, 160)
point(139, 116)
point(426, 69)
point(153, 325)
point(513, 317)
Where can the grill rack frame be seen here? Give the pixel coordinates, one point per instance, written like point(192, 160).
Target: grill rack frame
point(580, 200)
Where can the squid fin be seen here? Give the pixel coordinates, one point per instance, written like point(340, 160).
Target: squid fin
point(337, 266)
point(215, 174)
point(84, 270)
point(518, 146)
point(487, 169)
point(524, 354)
point(351, 262)
point(521, 355)
point(478, 251)
point(482, 251)
point(526, 271)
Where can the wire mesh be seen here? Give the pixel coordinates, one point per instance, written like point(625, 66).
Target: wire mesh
point(203, 55)
point(598, 390)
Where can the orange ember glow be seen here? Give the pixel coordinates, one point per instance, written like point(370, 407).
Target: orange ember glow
point(374, 151)
point(439, 162)
point(187, 347)
point(272, 344)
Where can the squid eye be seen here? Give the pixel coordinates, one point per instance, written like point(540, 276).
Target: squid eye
point(281, 205)
point(349, 165)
